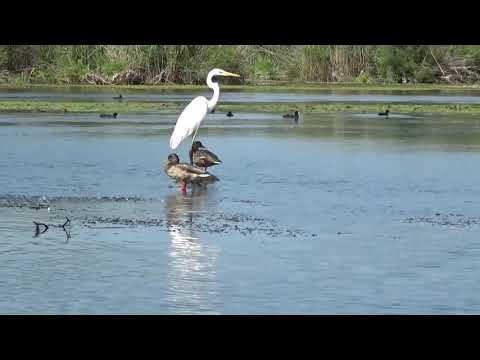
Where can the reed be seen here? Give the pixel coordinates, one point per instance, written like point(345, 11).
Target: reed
point(188, 64)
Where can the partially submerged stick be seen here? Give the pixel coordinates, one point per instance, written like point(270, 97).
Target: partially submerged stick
point(47, 226)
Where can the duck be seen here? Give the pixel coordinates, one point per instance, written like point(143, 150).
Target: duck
point(292, 116)
point(384, 113)
point(229, 114)
point(185, 173)
point(213, 110)
point(114, 115)
point(201, 157)
point(119, 97)
point(204, 181)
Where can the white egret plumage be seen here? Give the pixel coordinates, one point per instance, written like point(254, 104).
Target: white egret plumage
point(191, 117)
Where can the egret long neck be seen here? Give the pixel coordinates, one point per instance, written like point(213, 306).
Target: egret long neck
point(216, 93)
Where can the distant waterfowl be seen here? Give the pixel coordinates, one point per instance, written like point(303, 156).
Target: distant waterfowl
point(184, 173)
point(292, 116)
point(201, 157)
point(384, 113)
point(211, 112)
point(119, 97)
point(114, 115)
point(229, 114)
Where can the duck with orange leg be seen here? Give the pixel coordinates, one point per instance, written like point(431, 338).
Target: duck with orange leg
point(185, 173)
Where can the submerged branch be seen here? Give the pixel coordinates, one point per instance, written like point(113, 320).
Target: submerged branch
point(47, 226)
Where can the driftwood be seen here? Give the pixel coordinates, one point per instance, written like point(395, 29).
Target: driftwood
point(127, 77)
point(95, 79)
point(41, 228)
point(157, 79)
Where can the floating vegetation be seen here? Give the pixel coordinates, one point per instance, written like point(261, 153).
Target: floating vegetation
point(213, 223)
point(451, 219)
point(139, 107)
point(210, 223)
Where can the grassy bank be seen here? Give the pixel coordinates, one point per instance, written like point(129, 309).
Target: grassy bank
point(138, 107)
point(189, 64)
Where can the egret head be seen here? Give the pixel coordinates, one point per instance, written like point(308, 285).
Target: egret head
point(220, 72)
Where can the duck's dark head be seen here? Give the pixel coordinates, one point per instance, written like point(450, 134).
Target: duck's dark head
point(173, 159)
point(387, 111)
point(196, 145)
point(296, 113)
point(115, 114)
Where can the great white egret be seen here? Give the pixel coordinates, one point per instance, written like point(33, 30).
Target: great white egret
point(190, 119)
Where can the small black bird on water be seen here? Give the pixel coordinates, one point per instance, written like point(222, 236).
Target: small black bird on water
point(213, 110)
point(384, 113)
point(114, 115)
point(119, 97)
point(229, 114)
point(292, 116)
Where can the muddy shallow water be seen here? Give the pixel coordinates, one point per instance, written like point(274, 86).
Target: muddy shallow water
point(340, 213)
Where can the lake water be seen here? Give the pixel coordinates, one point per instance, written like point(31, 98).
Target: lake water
point(299, 96)
point(341, 213)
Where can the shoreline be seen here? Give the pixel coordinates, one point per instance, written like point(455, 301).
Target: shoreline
point(280, 86)
point(127, 106)
point(138, 107)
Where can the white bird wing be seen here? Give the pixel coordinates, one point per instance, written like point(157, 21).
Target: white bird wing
point(189, 120)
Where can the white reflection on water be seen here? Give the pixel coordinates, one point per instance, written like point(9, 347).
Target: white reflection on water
point(192, 273)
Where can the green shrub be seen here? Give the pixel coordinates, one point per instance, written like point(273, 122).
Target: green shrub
point(363, 78)
point(426, 75)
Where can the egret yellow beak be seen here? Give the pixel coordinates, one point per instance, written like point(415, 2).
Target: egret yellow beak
point(230, 74)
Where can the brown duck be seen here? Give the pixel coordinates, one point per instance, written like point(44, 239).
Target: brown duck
point(185, 173)
point(201, 157)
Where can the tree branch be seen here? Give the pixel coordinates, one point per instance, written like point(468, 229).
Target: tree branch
point(434, 58)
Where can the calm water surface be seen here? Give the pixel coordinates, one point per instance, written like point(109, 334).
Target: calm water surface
point(385, 215)
point(278, 96)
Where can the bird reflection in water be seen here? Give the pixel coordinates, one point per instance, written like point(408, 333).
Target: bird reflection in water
point(183, 209)
point(192, 262)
